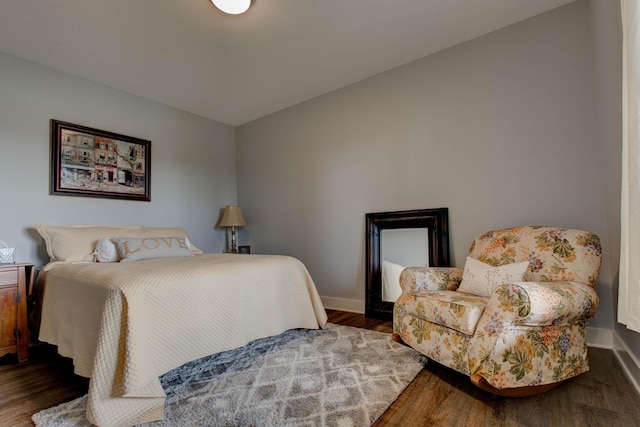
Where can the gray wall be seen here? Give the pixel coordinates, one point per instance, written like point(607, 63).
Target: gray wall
point(607, 42)
point(502, 130)
point(193, 159)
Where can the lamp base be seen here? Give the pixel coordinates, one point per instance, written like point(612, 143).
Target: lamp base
point(234, 249)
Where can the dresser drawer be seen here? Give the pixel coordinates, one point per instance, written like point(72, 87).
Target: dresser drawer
point(8, 277)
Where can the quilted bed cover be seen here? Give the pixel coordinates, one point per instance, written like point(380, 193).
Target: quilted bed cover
point(125, 324)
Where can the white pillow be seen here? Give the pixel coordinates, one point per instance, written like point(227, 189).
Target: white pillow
point(106, 251)
point(139, 248)
point(482, 279)
point(76, 243)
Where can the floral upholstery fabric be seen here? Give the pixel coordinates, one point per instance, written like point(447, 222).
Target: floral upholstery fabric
point(554, 254)
point(444, 345)
point(430, 279)
point(528, 333)
point(455, 310)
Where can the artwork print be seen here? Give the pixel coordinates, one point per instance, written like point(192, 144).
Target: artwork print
point(95, 163)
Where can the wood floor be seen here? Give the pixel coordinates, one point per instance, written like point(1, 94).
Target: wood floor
point(437, 397)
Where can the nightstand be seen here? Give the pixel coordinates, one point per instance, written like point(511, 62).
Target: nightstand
point(16, 282)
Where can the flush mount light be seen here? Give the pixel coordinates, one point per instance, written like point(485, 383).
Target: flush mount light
point(232, 7)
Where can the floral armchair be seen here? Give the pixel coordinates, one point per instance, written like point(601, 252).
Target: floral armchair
point(515, 324)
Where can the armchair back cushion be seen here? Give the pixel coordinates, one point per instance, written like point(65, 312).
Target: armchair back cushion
point(554, 254)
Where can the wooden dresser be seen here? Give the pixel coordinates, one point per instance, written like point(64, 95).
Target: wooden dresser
point(16, 282)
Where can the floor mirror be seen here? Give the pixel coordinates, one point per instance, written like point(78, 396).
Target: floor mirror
point(399, 239)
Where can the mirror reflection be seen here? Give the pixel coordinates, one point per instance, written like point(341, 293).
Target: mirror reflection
point(400, 248)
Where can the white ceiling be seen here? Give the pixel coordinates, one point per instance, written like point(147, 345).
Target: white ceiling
point(233, 69)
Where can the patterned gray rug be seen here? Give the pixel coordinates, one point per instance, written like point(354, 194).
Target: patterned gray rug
point(339, 376)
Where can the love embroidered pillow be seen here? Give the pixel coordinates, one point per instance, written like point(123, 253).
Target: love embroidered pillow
point(482, 279)
point(139, 248)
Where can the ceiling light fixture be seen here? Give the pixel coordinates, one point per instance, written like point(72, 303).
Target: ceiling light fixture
point(232, 7)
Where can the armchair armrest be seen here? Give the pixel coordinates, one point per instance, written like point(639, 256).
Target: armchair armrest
point(543, 303)
point(413, 279)
point(532, 333)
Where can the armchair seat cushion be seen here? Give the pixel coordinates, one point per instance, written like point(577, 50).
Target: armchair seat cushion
point(452, 309)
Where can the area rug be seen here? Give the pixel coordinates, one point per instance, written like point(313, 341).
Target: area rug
point(339, 376)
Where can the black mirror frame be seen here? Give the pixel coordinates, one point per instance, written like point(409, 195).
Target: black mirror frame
point(436, 220)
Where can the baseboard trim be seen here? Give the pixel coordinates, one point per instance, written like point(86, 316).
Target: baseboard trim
point(343, 304)
point(630, 365)
point(600, 338)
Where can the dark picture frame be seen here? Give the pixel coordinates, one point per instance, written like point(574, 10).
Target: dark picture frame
point(89, 162)
point(245, 249)
point(437, 223)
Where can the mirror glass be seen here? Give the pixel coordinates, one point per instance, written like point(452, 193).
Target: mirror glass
point(400, 248)
point(396, 240)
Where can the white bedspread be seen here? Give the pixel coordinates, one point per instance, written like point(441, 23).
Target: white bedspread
point(124, 325)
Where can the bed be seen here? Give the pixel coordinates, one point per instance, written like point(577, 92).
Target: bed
point(126, 323)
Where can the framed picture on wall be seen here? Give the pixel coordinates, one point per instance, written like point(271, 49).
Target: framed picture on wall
point(95, 163)
point(244, 249)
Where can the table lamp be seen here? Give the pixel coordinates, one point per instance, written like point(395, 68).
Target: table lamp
point(232, 217)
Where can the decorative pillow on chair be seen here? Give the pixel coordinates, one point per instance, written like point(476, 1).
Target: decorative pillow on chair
point(482, 279)
point(139, 248)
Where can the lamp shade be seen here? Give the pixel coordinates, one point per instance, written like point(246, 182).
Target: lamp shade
point(232, 217)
